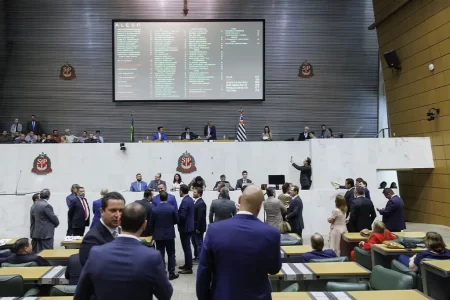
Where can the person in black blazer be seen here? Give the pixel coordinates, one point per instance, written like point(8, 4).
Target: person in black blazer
point(199, 222)
point(304, 136)
point(78, 215)
point(164, 218)
point(107, 229)
point(210, 131)
point(34, 126)
point(188, 135)
point(243, 181)
point(305, 173)
point(362, 212)
point(147, 203)
point(295, 212)
point(73, 270)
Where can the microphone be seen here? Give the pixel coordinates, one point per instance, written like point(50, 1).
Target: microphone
point(18, 180)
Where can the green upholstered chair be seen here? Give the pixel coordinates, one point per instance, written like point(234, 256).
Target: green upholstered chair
point(346, 286)
point(12, 286)
point(292, 288)
point(363, 258)
point(5, 253)
point(62, 290)
point(331, 259)
point(401, 268)
point(292, 242)
point(28, 264)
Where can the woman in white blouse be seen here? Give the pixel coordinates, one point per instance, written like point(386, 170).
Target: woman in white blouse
point(176, 182)
point(267, 135)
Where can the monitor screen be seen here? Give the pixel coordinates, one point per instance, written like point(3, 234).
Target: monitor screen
point(276, 179)
point(182, 60)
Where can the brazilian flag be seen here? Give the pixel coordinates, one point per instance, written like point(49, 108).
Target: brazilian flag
point(132, 129)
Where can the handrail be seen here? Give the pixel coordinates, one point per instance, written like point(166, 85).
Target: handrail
point(381, 130)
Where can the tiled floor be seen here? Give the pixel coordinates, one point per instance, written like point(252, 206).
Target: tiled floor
point(184, 286)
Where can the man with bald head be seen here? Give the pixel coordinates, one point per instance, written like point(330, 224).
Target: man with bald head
point(317, 243)
point(239, 269)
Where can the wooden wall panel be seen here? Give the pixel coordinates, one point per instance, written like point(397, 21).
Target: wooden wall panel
point(420, 33)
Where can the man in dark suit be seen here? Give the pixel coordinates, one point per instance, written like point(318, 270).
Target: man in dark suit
point(210, 132)
point(73, 270)
point(222, 208)
point(147, 203)
point(35, 198)
point(107, 229)
point(34, 126)
point(239, 270)
point(305, 173)
point(79, 214)
point(393, 214)
point(45, 221)
point(188, 135)
point(362, 212)
point(124, 268)
point(243, 181)
point(23, 253)
point(295, 212)
point(186, 227)
point(164, 218)
point(199, 222)
point(154, 183)
point(304, 136)
point(317, 243)
point(221, 183)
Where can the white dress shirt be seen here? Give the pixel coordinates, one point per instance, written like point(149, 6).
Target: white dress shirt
point(110, 229)
point(128, 236)
point(243, 212)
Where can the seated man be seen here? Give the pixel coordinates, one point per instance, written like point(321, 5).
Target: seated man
point(188, 135)
point(224, 183)
point(21, 139)
point(159, 135)
point(69, 137)
point(56, 136)
point(197, 182)
point(155, 183)
point(91, 139)
point(5, 138)
point(317, 244)
point(138, 185)
point(98, 137)
point(31, 138)
point(22, 252)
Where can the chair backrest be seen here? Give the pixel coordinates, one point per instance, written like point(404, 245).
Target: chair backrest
point(5, 253)
point(11, 286)
point(62, 290)
point(401, 268)
point(363, 258)
point(28, 264)
point(386, 279)
point(291, 289)
point(291, 243)
point(346, 286)
point(331, 259)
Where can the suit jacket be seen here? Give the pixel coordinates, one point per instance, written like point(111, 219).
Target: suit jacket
point(76, 217)
point(212, 132)
point(148, 208)
point(186, 215)
point(45, 220)
point(225, 183)
point(221, 209)
point(134, 186)
point(31, 221)
point(154, 184)
point(96, 205)
point(239, 183)
point(349, 197)
point(124, 269)
point(96, 236)
point(200, 215)
point(301, 136)
point(238, 270)
point(393, 214)
point(155, 136)
point(327, 253)
point(73, 270)
point(192, 136)
point(295, 214)
point(305, 174)
point(171, 200)
point(37, 127)
point(69, 198)
point(13, 129)
point(164, 217)
point(362, 214)
point(14, 258)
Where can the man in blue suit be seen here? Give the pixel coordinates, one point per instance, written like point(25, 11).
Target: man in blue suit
point(210, 131)
point(172, 200)
point(147, 203)
point(96, 205)
point(164, 218)
point(239, 269)
point(124, 268)
point(159, 135)
point(186, 227)
point(317, 243)
point(393, 214)
point(73, 194)
point(138, 185)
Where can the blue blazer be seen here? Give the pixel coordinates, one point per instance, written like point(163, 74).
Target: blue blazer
point(171, 200)
point(134, 186)
point(186, 215)
point(70, 198)
point(212, 132)
point(96, 236)
point(238, 270)
point(155, 136)
point(327, 253)
point(73, 270)
point(394, 214)
point(164, 218)
point(96, 210)
point(124, 269)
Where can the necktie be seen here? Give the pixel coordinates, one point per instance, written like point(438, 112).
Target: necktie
point(139, 186)
point(33, 125)
point(17, 127)
point(84, 208)
point(115, 233)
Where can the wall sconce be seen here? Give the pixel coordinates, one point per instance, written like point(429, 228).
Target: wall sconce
point(432, 113)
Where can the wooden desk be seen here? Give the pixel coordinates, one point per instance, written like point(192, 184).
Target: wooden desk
point(9, 243)
point(40, 275)
point(411, 235)
point(366, 295)
point(76, 244)
point(381, 255)
point(319, 271)
point(435, 278)
point(58, 257)
point(292, 253)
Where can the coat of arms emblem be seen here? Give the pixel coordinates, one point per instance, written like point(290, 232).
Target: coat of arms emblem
point(67, 72)
point(42, 165)
point(306, 70)
point(186, 163)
